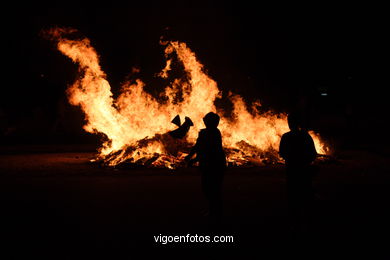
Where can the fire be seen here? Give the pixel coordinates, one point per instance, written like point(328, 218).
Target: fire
point(135, 125)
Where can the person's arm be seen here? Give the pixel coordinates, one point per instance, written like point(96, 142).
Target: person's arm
point(312, 152)
point(282, 147)
point(194, 150)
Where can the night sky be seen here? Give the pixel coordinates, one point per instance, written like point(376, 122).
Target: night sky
point(283, 57)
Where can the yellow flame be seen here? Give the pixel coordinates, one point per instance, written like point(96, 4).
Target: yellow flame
point(135, 123)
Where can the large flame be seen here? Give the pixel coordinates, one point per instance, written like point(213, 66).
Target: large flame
point(136, 123)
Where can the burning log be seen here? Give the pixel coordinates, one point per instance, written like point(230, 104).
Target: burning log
point(176, 120)
point(183, 129)
point(173, 144)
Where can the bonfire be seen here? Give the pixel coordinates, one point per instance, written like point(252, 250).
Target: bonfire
point(137, 128)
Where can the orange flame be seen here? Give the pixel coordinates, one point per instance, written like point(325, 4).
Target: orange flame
point(135, 123)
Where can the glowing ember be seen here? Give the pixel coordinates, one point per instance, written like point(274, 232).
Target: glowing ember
point(136, 125)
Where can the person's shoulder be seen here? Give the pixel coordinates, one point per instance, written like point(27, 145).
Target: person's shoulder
point(209, 130)
point(306, 134)
point(288, 134)
point(202, 131)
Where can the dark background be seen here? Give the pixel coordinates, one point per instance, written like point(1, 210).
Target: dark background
point(288, 57)
point(54, 199)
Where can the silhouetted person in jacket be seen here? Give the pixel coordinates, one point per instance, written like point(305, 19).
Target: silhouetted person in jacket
point(298, 150)
point(212, 163)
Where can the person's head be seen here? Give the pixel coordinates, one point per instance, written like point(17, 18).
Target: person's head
point(211, 120)
point(294, 121)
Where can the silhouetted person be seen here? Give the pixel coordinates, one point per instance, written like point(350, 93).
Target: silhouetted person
point(298, 150)
point(212, 163)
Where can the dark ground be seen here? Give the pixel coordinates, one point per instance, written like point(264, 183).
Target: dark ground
point(60, 204)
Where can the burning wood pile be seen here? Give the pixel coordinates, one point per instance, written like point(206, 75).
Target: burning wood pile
point(136, 126)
